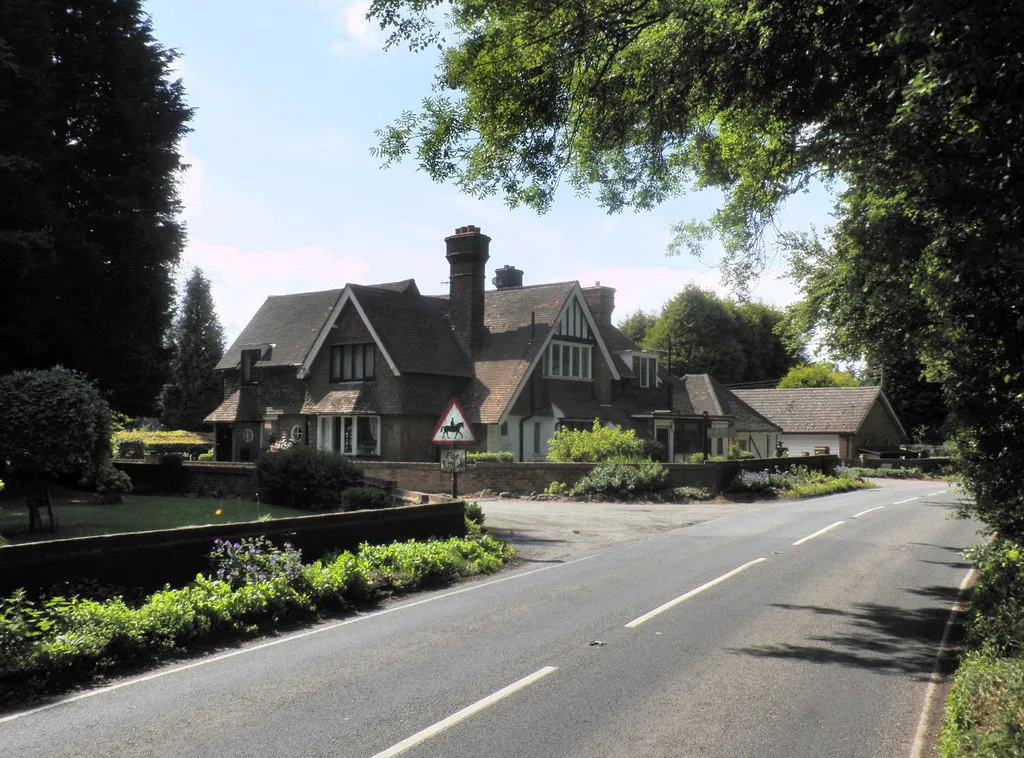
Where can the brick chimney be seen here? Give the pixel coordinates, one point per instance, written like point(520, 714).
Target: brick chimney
point(467, 254)
point(601, 301)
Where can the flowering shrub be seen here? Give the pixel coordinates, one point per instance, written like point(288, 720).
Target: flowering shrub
point(253, 560)
point(622, 479)
point(798, 481)
point(280, 445)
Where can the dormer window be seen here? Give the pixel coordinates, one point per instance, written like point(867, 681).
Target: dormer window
point(645, 369)
point(352, 363)
point(249, 373)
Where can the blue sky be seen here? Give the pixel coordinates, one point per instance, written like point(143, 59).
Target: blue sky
point(284, 196)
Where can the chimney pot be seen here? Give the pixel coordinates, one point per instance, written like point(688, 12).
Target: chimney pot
point(467, 252)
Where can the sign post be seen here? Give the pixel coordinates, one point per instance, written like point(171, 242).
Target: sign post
point(452, 429)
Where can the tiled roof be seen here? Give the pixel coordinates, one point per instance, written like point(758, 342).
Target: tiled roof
point(511, 344)
point(838, 410)
point(413, 329)
point(290, 323)
point(240, 405)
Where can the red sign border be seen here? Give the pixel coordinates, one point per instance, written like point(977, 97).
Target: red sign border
point(454, 403)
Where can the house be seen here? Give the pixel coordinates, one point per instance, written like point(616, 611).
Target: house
point(848, 421)
point(366, 370)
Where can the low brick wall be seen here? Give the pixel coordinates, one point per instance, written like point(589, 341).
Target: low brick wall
point(926, 465)
point(536, 477)
point(151, 559)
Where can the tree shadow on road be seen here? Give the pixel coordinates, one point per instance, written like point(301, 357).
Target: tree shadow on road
point(882, 638)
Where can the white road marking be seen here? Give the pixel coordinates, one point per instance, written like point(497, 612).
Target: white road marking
point(909, 500)
point(876, 508)
point(935, 678)
point(940, 492)
point(278, 641)
point(818, 533)
point(671, 603)
point(465, 713)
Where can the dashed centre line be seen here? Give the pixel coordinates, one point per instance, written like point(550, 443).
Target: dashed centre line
point(909, 500)
point(465, 713)
point(876, 508)
point(818, 533)
point(672, 603)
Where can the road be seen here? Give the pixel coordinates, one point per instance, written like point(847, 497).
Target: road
point(806, 629)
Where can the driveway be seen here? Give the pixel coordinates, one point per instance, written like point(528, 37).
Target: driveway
point(561, 530)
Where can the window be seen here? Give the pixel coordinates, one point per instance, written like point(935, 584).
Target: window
point(349, 435)
point(536, 438)
point(248, 436)
point(645, 370)
point(249, 373)
point(573, 322)
point(296, 433)
point(571, 361)
point(351, 363)
point(503, 431)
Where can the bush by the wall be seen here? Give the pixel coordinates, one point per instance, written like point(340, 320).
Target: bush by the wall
point(110, 485)
point(366, 498)
point(159, 443)
point(622, 479)
point(496, 456)
point(133, 448)
point(474, 512)
point(595, 445)
point(304, 477)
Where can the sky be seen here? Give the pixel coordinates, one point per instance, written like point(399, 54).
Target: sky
point(283, 194)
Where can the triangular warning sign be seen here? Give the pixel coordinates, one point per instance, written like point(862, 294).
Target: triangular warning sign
point(452, 427)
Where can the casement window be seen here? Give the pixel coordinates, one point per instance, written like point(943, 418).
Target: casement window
point(645, 370)
point(573, 323)
point(568, 361)
point(352, 363)
point(349, 435)
point(250, 374)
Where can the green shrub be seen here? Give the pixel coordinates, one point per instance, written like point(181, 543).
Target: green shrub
point(365, 498)
point(207, 456)
point(622, 479)
point(111, 485)
point(880, 473)
point(304, 477)
point(557, 488)
point(595, 445)
point(130, 448)
point(499, 456)
point(738, 453)
point(474, 512)
point(997, 605)
point(798, 481)
point(690, 494)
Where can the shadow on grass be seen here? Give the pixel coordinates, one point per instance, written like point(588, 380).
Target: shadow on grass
point(882, 638)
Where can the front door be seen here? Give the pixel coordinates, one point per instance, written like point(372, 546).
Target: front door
point(222, 451)
point(663, 435)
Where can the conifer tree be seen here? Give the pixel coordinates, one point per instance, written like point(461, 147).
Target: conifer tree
point(197, 344)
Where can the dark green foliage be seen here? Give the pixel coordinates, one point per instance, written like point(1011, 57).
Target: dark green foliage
point(170, 479)
point(52, 423)
point(365, 498)
point(304, 477)
point(497, 456)
point(637, 325)
point(599, 443)
point(197, 344)
point(110, 485)
point(997, 602)
point(89, 130)
point(622, 479)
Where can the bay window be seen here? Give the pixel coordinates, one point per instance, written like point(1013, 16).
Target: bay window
point(349, 435)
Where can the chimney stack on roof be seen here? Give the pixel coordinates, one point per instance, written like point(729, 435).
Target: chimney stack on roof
point(467, 252)
point(601, 301)
point(506, 277)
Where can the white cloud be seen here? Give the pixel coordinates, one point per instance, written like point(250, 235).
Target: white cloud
point(358, 34)
point(241, 280)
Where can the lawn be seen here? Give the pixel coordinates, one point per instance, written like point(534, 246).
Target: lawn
point(78, 517)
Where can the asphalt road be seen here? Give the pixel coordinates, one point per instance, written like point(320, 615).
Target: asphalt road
point(803, 629)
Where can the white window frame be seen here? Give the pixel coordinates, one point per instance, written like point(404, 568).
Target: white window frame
point(572, 322)
point(340, 434)
point(645, 369)
point(296, 433)
point(573, 361)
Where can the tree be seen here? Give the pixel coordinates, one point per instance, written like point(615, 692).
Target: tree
point(197, 344)
point(52, 423)
point(89, 129)
point(914, 106)
point(637, 324)
point(817, 375)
